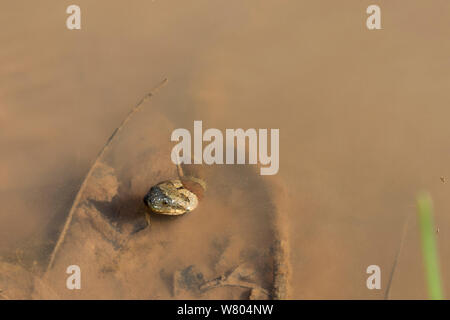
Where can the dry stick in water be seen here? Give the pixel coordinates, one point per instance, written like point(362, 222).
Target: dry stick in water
point(281, 252)
point(281, 265)
point(97, 160)
point(397, 256)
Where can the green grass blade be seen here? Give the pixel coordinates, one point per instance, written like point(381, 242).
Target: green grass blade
point(429, 248)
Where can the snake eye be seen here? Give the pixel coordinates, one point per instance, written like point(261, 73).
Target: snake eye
point(165, 202)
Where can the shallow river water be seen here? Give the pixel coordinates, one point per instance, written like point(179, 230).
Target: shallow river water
point(363, 118)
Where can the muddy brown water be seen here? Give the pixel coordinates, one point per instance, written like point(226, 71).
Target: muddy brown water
point(363, 118)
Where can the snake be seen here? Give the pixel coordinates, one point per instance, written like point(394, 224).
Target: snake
point(175, 197)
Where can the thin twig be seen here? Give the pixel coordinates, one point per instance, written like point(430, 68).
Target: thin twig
point(397, 256)
point(97, 160)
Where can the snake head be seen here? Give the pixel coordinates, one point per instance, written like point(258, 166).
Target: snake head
point(170, 198)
